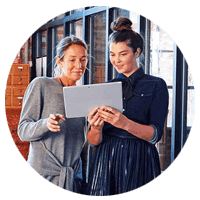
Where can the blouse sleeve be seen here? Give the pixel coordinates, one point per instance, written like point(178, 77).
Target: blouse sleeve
point(31, 127)
point(159, 109)
point(154, 138)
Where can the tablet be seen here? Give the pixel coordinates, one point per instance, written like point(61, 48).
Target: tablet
point(81, 100)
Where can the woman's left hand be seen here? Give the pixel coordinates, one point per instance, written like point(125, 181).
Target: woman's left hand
point(113, 117)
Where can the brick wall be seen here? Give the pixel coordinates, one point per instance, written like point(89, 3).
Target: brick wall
point(25, 52)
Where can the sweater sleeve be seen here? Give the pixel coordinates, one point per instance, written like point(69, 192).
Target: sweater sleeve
point(31, 127)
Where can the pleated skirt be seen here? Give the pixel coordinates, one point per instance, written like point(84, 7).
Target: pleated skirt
point(120, 165)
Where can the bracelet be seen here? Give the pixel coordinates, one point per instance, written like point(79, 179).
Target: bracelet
point(154, 138)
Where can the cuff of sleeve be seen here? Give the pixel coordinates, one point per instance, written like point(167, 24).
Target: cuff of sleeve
point(154, 138)
point(92, 145)
point(87, 128)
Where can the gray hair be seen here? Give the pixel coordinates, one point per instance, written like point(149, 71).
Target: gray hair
point(63, 46)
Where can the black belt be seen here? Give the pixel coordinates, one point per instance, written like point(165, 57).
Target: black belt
point(121, 134)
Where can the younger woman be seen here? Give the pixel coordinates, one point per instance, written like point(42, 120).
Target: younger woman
point(126, 157)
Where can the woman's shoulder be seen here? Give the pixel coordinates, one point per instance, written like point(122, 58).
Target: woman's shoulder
point(42, 80)
point(39, 83)
point(153, 78)
point(157, 80)
point(153, 83)
point(159, 83)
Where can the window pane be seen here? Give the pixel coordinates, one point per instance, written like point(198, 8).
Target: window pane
point(44, 43)
point(134, 19)
point(161, 63)
point(122, 12)
point(97, 45)
point(190, 80)
point(60, 33)
point(190, 106)
point(77, 28)
point(160, 39)
point(169, 115)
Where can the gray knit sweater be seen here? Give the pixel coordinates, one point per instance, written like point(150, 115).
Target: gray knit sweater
point(55, 155)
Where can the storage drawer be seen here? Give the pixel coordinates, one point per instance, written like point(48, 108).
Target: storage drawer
point(8, 91)
point(8, 100)
point(17, 101)
point(9, 80)
point(23, 80)
point(19, 91)
point(20, 70)
point(8, 96)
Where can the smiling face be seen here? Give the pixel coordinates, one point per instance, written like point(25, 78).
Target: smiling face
point(73, 64)
point(123, 58)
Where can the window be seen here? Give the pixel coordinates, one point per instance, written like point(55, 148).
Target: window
point(190, 100)
point(44, 43)
point(59, 34)
point(134, 19)
point(97, 45)
point(161, 60)
point(162, 64)
point(76, 28)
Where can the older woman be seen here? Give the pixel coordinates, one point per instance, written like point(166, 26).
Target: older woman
point(126, 157)
point(55, 141)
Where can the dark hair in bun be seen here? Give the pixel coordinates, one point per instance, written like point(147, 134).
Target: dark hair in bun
point(122, 32)
point(121, 24)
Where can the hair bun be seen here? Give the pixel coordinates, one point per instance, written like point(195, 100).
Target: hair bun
point(121, 24)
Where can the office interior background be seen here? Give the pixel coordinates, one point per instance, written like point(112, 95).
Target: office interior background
point(162, 57)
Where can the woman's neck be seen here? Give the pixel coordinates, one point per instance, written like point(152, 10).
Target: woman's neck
point(65, 81)
point(134, 69)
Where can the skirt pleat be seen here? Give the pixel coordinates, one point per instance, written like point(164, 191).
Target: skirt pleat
point(121, 165)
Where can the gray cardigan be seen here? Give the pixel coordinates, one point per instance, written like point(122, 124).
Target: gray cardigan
point(54, 155)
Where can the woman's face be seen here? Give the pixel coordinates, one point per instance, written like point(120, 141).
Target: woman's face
point(123, 58)
point(74, 62)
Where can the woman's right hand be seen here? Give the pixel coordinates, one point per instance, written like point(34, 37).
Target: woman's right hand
point(94, 136)
point(52, 122)
point(95, 120)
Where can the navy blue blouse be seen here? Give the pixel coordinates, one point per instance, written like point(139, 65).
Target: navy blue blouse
point(147, 105)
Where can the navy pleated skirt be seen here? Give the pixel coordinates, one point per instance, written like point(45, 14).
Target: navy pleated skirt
point(121, 165)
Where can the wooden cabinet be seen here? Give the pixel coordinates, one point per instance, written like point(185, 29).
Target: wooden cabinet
point(17, 82)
